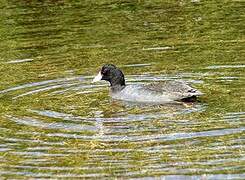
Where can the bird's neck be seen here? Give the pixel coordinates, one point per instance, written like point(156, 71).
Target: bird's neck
point(117, 85)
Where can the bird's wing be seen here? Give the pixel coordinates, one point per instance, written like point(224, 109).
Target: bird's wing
point(174, 89)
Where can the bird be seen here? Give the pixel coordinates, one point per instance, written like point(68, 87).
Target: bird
point(157, 92)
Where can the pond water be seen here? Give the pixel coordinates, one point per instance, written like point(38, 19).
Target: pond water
point(56, 124)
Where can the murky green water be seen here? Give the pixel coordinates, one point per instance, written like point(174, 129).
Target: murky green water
point(55, 123)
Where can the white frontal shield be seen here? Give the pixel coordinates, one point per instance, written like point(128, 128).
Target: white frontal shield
point(97, 78)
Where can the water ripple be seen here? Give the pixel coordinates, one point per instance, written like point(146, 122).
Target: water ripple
point(115, 134)
point(225, 66)
point(28, 121)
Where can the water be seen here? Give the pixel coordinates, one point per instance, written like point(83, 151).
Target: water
point(56, 124)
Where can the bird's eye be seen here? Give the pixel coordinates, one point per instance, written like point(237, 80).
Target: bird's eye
point(104, 71)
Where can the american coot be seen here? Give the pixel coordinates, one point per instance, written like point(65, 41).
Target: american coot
point(161, 92)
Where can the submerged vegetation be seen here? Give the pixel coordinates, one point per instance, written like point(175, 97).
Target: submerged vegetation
point(55, 123)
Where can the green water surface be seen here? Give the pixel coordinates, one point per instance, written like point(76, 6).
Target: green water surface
point(55, 124)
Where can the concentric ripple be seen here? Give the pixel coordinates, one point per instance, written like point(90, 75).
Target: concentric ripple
point(55, 124)
point(114, 138)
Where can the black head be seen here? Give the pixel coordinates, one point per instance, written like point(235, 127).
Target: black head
point(112, 74)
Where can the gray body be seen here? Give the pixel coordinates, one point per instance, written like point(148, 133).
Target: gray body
point(162, 92)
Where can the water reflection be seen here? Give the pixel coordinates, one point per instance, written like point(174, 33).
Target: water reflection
point(55, 124)
point(123, 127)
point(19, 61)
